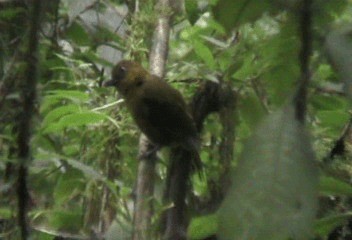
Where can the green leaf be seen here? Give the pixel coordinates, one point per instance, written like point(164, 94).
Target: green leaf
point(231, 14)
point(204, 53)
point(275, 185)
point(66, 220)
point(325, 225)
point(88, 171)
point(332, 186)
point(192, 11)
point(6, 213)
point(251, 109)
point(75, 120)
point(325, 12)
point(324, 102)
point(202, 227)
point(93, 57)
point(69, 94)
point(67, 185)
point(59, 112)
point(106, 35)
point(334, 119)
point(7, 14)
point(78, 35)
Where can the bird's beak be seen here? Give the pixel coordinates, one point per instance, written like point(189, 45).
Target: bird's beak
point(109, 83)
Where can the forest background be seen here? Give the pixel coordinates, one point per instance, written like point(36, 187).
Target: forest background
point(68, 147)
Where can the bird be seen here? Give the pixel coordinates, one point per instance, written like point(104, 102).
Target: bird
point(158, 109)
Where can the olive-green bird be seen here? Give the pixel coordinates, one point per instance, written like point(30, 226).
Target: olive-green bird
point(158, 109)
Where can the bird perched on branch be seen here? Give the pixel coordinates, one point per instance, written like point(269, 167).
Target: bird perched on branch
point(158, 109)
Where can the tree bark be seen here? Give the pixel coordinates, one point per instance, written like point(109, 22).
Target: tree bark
point(305, 31)
point(146, 167)
point(28, 96)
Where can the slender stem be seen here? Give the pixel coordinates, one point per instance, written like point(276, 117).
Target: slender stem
point(304, 58)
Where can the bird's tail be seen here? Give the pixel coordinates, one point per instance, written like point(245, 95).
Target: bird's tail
point(191, 145)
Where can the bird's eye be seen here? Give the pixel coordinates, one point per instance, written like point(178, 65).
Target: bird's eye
point(122, 69)
point(120, 72)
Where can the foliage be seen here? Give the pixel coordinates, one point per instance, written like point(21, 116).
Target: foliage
point(84, 143)
point(275, 189)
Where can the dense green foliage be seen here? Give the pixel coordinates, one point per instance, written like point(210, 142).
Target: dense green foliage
point(84, 143)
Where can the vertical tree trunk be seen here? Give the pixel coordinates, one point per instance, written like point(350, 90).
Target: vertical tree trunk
point(146, 167)
point(28, 96)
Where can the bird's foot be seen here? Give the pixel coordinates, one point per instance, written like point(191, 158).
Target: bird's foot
point(150, 152)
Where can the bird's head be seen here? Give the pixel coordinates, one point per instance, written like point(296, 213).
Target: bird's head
point(126, 75)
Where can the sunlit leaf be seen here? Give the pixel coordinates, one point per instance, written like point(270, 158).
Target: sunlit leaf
point(333, 186)
point(325, 225)
point(88, 171)
point(333, 119)
point(74, 120)
point(69, 94)
point(204, 53)
point(202, 227)
point(324, 102)
point(58, 112)
point(275, 185)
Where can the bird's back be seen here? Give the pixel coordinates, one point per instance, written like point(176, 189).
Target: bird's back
point(161, 113)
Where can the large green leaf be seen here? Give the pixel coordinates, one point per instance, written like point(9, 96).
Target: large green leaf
point(281, 54)
point(69, 220)
point(204, 53)
point(325, 225)
point(75, 120)
point(78, 35)
point(89, 172)
point(334, 119)
point(73, 95)
point(275, 185)
point(333, 186)
point(202, 227)
point(325, 102)
point(58, 112)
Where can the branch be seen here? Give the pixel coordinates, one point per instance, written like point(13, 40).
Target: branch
point(160, 46)
point(146, 167)
point(28, 98)
point(300, 99)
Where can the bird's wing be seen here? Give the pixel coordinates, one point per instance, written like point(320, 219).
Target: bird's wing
point(169, 117)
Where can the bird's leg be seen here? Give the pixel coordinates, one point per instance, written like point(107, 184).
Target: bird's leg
point(151, 150)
